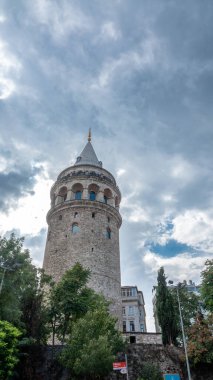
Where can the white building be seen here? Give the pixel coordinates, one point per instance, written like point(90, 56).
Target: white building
point(133, 310)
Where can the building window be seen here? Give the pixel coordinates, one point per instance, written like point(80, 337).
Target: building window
point(63, 193)
point(108, 233)
point(142, 327)
point(75, 215)
point(129, 292)
point(108, 219)
point(78, 195)
point(124, 326)
point(93, 214)
point(105, 199)
point(60, 217)
point(123, 310)
point(131, 326)
point(92, 196)
point(131, 310)
point(75, 228)
point(123, 293)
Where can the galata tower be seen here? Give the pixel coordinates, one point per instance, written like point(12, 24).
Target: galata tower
point(83, 226)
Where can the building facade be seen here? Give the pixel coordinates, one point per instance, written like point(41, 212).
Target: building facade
point(83, 226)
point(133, 310)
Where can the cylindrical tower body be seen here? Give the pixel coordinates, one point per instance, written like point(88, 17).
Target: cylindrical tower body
point(83, 226)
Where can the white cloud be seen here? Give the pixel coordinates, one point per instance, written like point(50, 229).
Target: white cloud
point(109, 31)
point(9, 70)
point(61, 18)
point(129, 61)
point(120, 172)
point(7, 87)
point(30, 215)
point(177, 267)
point(195, 228)
point(2, 18)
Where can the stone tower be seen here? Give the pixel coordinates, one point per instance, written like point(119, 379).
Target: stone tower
point(83, 226)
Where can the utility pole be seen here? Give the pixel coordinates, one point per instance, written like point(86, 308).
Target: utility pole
point(184, 338)
point(182, 328)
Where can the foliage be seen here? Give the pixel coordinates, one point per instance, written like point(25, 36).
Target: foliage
point(8, 349)
point(189, 303)
point(200, 340)
point(69, 300)
point(165, 310)
point(34, 315)
point(21, 301)
point(15, 266)
point(150, 371)
point(93, 343)
point(207, 285)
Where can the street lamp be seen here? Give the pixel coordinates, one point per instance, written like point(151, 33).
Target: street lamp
point(182, 328)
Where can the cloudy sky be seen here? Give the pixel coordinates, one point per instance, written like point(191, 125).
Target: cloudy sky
point(140, 74)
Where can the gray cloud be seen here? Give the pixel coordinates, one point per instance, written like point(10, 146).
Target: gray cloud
point(146, 93)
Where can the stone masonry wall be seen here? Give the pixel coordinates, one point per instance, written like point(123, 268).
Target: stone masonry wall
point(90, 246)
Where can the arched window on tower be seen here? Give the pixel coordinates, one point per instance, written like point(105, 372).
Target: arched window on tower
point(77, 189)
point(107, 195)
point(78, 195)
point(93, 190)
point(108, 233)
point(75, 228)
point(63, 193)
point(92, 196)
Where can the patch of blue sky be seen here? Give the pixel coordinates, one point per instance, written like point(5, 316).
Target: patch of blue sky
point(171, 248)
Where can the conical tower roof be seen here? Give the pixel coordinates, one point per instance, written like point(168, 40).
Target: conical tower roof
point(88, 155)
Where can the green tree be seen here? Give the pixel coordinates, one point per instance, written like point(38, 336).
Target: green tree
point(8, 349)
point(92, 344)
point(23, 290)
point(207, 285)
point(200, 340)
point(69, 299)
point(34, 310)
point(189, 303)
point(165, 310)
point(150, 372)
point(15, 266)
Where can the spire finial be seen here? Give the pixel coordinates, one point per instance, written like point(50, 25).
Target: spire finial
point(89, 135)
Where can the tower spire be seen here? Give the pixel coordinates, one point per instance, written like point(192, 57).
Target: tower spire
point(89, 135)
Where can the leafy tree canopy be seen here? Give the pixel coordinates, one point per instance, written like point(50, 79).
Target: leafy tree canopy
point(93, 343)
point(150, 372)
point(21, 300)
point(69, 299)
point(8, 349)
point(207, 285)
point(200, 340)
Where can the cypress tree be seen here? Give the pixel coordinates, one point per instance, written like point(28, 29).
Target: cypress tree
point(165, 310)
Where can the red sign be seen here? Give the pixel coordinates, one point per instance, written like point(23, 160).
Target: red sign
point(119, 365)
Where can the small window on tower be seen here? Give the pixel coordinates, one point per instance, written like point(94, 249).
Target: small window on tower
point(108, 233)
point(60, 217)
point(93, 214)
point(75, 228)
point(108, 218)
point(75, 215)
